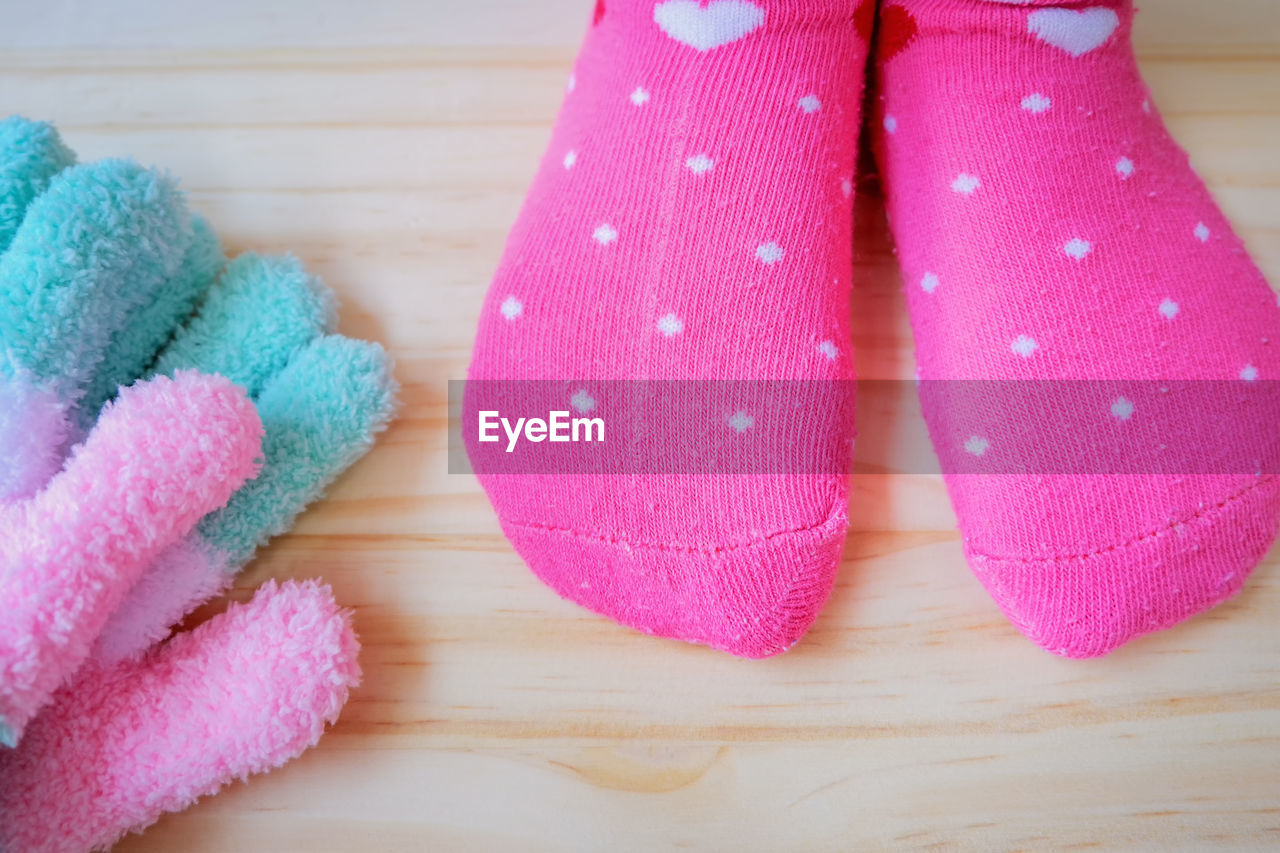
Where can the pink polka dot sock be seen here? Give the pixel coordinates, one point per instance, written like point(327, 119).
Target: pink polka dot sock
point(690, 220)
point(1050, 229)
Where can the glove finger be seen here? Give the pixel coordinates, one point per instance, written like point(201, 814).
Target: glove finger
point(164, 455)
point(135, 346)
point(320, 414)
point(262, 312)
point(90, 252)
point(31, 153)
point(243, 693)
point(32, 421)
point(33, 426)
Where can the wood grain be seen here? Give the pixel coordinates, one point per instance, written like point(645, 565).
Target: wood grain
point(388, 143)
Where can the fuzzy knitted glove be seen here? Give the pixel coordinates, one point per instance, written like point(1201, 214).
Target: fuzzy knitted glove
point(229, 406)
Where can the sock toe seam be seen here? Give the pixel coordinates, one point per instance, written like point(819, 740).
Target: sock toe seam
point(1153, 534)
point(708, 550)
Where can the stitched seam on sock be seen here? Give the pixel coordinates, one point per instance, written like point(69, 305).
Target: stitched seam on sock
point(674, 546)
point(798, 581)
point(1154, 534)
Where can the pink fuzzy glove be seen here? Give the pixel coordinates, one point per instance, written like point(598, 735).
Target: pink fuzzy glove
point(120, 744)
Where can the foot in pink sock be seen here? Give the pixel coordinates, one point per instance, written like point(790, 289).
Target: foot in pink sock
point(1050, 229)
point(690, 221)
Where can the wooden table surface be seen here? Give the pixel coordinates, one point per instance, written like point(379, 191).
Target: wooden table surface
point(388, 143)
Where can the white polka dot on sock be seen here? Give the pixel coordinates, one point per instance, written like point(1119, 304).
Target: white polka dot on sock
point(846, 187)
point(699, 163)
point(741, 421)
point(573, 83)
point(1146, 105)
point(640, 96)
point(1124, 167)
point(1249, 373)
point(966, 184)
point(977, 445)
point(670, 325)
point(1122, 408)
point(511, 308)
point(1169, 309)
point(1202, 232)
point(605, 234)
point(1078, 248)
point(582, 401)
point(1036, 103)
point(809, 103)
point(769, 253)
point(828, 348)
point(929, 283)
point(570, 158)
point(1024, 346)
point(891, 124)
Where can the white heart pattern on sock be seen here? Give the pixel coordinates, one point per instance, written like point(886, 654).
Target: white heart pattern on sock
point(704, 28)
point(1075, 32)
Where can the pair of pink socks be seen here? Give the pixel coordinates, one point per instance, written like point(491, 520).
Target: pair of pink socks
point(692, 220)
